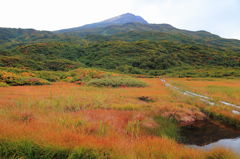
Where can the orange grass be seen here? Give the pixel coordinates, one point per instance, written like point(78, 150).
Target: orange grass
point(72, 116)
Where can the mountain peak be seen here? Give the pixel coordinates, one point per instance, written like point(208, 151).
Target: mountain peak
point(125, 18)
point(128, 14)
point(118, 20)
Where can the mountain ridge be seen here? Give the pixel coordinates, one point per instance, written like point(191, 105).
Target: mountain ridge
point(117, 20)
point(127, 23)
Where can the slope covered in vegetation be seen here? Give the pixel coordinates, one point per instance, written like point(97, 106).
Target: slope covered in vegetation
point(136, 48)
point(137, 57)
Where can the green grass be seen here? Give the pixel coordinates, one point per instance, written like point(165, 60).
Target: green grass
point(167, 128)
point(229, 92)
point(226, 120)
point(116, 82)
point(30, 150)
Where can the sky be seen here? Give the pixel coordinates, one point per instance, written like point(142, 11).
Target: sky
point(221, 17)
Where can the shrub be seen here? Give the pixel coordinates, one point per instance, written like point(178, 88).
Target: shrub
point(27, 74)
point(51, 76)
point(84, 74)
point(34, 81)
point(3, 84)
point(14, 79)
point(61, 65)
point(116, 82)
point(9, 78)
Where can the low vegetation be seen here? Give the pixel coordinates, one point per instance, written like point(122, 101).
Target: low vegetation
point(19, 77)
point(168, 127)
point(65, 120)
point(116, 82)
point(208, 87)
point(9, 78)
point(30, 150)
point(219, 89)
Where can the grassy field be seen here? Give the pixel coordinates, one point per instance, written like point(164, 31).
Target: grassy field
point(71, 121)
point(218, 90)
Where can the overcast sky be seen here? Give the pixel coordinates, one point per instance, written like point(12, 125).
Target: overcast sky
point(220, 17)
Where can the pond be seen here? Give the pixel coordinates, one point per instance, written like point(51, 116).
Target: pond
point(209, 134)
point(232, 144)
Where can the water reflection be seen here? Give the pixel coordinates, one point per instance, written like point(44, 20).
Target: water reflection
point(232, 144)
point(209, 134)
point(206, 132)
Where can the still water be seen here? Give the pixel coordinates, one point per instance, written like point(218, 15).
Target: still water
point(232, 144)
point(209, 134)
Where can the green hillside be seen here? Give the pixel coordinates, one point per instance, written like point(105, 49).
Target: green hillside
point(137, 48)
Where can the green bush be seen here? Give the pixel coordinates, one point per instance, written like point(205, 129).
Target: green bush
point(51, 76)
point(3, 84)
point(61, 65)
point(116, 82)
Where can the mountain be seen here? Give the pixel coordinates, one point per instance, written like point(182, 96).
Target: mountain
point(144, 31)
point(118, 20)
point(7, 34)
point(129, 27)
point(11, 37)
point(126, 43)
